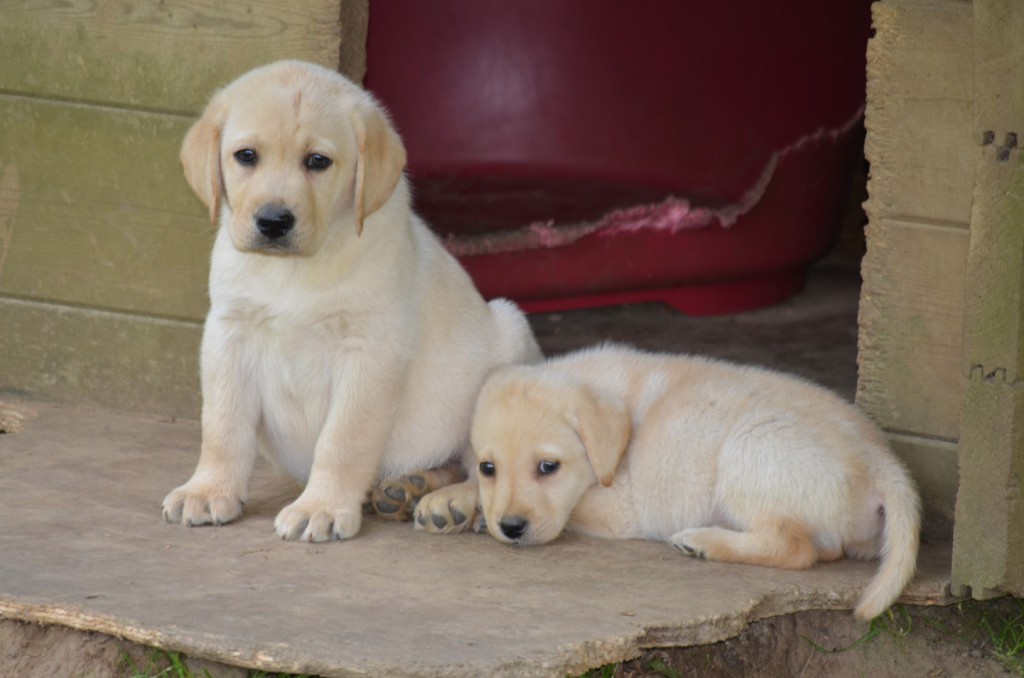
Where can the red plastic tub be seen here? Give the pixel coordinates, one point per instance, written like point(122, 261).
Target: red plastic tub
point(587, 152)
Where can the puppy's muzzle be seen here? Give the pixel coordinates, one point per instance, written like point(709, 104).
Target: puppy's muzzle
point(513, 527)
point(274, 222)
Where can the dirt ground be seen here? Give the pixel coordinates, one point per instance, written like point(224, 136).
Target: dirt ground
point(932, 642)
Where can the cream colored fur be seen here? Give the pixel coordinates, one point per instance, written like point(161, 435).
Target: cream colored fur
point(354, 346)
point(724, 462)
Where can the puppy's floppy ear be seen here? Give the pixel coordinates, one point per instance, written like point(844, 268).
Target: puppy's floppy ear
point(200, 156)
point(379, 164)
point(604, 425)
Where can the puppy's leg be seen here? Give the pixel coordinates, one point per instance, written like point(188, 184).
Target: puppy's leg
point(218, 487)
point(785, 544)
point(451, 509)
point(396, 497)
point(347, 454)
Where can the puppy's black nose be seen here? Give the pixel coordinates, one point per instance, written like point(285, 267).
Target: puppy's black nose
point(274, 221)
point(513, 526)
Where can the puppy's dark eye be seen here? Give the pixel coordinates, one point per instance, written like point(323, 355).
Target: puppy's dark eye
point(317, 162)
point(246, 156)
point(487, 469)
point(546, 467)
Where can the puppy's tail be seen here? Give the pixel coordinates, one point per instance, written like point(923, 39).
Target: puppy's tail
point(901, 534)
point(514, 334)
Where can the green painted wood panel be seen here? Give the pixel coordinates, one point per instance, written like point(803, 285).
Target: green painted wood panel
point(103, 249)
point(163, 56)
point(910, 344)
point(918, 117)
point(94, 210)
point(919, 108)
point(100, 358)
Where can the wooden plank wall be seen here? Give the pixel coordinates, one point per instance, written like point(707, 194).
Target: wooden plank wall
point(103, 248)
point(988, 544)
point(923, 156)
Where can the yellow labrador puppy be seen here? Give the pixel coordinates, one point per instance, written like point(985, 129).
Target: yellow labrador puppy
point(342, 339)
point(725, 462)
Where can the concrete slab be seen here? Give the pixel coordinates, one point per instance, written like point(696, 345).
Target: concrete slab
point(82, 544)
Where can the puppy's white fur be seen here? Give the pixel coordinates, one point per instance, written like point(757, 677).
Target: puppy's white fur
point(726, 462)
point(353, 346)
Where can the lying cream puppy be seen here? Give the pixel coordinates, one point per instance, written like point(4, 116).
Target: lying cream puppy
point(724, 462)
point(342, 339)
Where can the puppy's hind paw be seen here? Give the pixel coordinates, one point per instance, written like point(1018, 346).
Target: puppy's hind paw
point(396, 497)
point(686, 543)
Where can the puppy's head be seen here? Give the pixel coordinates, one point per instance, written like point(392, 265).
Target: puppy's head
point(541, 439)
point(288, 152)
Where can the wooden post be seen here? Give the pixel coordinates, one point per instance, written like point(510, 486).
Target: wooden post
point(988, 543)
point(918, 119)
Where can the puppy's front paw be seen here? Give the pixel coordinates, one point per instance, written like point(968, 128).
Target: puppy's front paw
point(688, 542)
point(308, 521)
point(200, 504)
point(448, 510)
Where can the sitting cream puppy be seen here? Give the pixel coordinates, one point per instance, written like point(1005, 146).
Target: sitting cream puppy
point(342, 339)
point(724, 462)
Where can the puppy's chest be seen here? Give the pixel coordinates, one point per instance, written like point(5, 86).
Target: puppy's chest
point(300, 369)
point(297, 359)
point(293, 333)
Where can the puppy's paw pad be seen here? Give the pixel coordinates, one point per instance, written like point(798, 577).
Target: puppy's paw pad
point(441, 520)
point(193, 506)
point(396, 498)
point(446, 512)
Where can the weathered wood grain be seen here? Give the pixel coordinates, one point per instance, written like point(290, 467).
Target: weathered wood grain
point(919, 111)
point(988, 541)
point(933, 464)
point(988, 537)
point(97, 211)
point(994, 335)
point(163, 56)
point(355, 21)
point(910, 342)
point(103, 249)
point(92, 357)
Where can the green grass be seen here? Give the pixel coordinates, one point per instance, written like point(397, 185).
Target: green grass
point(659, 668)
point(167, 664)
point(1006, 633)
point(602, 672)
point(999, 625)
point(160, 664)
point(895, 622)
